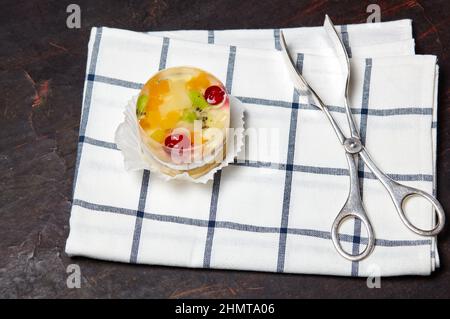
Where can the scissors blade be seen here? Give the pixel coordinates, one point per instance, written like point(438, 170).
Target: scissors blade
point(298, 80)
point(344, 62)
point(301, 85)
point(338, 46)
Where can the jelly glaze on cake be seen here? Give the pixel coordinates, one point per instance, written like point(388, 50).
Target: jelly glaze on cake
point(183, 115)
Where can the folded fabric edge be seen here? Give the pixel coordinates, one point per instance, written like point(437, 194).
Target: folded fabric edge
point(144, 36)
point(92, 39)
point(434, 248)
point(407, 23)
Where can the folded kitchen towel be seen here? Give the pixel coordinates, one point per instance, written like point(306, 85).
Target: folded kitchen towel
point(273, 209)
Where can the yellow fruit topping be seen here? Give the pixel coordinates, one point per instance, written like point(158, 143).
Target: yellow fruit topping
point(170, 120)
point(158, 135)
point(151, 121)
point(156, 90)
point(199, 82)
point(153, 104)
point(144, 123)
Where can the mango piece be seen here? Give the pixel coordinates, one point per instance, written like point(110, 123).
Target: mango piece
point(158, 135)
point(155, 90)
point(170, 120)
point(157, 86)
point(153, 104)
point(151, 120)
point(199, 82)
point(163, 87)
point(144, 123)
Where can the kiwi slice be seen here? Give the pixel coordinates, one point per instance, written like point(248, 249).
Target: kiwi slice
point(141, 104)
point(189, 116)
point(197, 99)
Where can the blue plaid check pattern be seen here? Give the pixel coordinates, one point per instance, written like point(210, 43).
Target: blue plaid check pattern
point(289, 167)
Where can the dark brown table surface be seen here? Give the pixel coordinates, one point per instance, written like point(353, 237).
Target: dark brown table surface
point(42, 70)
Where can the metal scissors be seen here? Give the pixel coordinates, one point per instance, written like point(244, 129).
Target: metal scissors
point(354, 207)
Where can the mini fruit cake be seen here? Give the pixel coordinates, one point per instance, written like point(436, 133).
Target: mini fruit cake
point(183, 114)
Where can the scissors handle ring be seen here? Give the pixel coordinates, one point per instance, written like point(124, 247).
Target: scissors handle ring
point(343, 215)
point(401, 193)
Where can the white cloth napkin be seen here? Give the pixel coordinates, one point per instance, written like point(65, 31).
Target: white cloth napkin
point(271, 211)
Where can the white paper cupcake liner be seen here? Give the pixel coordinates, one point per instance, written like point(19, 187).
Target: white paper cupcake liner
point(130, 143)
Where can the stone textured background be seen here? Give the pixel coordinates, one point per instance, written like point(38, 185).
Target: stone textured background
point(42, 69)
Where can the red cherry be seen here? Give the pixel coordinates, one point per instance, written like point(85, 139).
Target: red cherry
point(214, 95)
point(178, 147)
point(173, 139)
